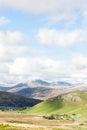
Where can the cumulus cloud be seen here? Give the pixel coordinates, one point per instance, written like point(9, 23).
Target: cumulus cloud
point(78, 67)
point(55, 9)
point(61, 38)
point(12, 44)
point(47, 68)
point(14, 52)
point(36, 66)
point(15, 60)
point(11, 38)
point(79, 61)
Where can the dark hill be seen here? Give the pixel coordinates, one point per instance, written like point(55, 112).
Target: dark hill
point(12, 100)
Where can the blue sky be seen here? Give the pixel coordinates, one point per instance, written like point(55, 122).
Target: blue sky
point(43, 39)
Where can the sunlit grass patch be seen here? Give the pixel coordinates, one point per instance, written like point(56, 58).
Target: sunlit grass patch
point(8, 127)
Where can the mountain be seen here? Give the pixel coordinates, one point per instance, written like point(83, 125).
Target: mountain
point(61, 83)
point(41, 93)
point(70, 103)
point(6, 87)
point(40, 89)
point(41, 82)
point(2, 88)
point(12, 100)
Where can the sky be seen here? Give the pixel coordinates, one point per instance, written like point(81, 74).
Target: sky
point(43, 39)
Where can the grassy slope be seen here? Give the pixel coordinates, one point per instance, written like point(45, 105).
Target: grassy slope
point(58, 106)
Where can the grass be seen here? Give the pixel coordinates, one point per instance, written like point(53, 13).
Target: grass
point(55, 105)
point(20, 121)
point(8, 127)
point(78, 128)
point(59, 106)
point(58, 129)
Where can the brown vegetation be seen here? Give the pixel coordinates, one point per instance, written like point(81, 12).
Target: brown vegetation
point(35, 122)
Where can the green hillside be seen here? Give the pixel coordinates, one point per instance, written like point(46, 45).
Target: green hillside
point(75, 102)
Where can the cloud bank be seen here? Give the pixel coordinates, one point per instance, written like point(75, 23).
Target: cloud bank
point(54, 9)
point(16, 60)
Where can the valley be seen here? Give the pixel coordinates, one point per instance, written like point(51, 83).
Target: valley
point(65, 110)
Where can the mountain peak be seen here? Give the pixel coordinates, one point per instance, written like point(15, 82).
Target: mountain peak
point(42, 82)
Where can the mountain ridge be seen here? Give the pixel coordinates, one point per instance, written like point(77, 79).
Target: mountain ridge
point(41, 89)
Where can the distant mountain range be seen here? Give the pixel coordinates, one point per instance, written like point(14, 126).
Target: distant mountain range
point(39, 89)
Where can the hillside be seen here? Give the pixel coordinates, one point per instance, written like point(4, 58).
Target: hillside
point(75, 102)
point(12, 100)
point(41, 93)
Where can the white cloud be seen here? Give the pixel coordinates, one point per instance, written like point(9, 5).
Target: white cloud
point(55, 9)
point(4, 21)
point(44, 5)
point(78, 67)
point(12, 44)
point(4, 68)
point(11, 38)
point(14, 52)
point(15, 58)
point(46, 68)
point(61, 38)
point(79, 61)
point(36, 67)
